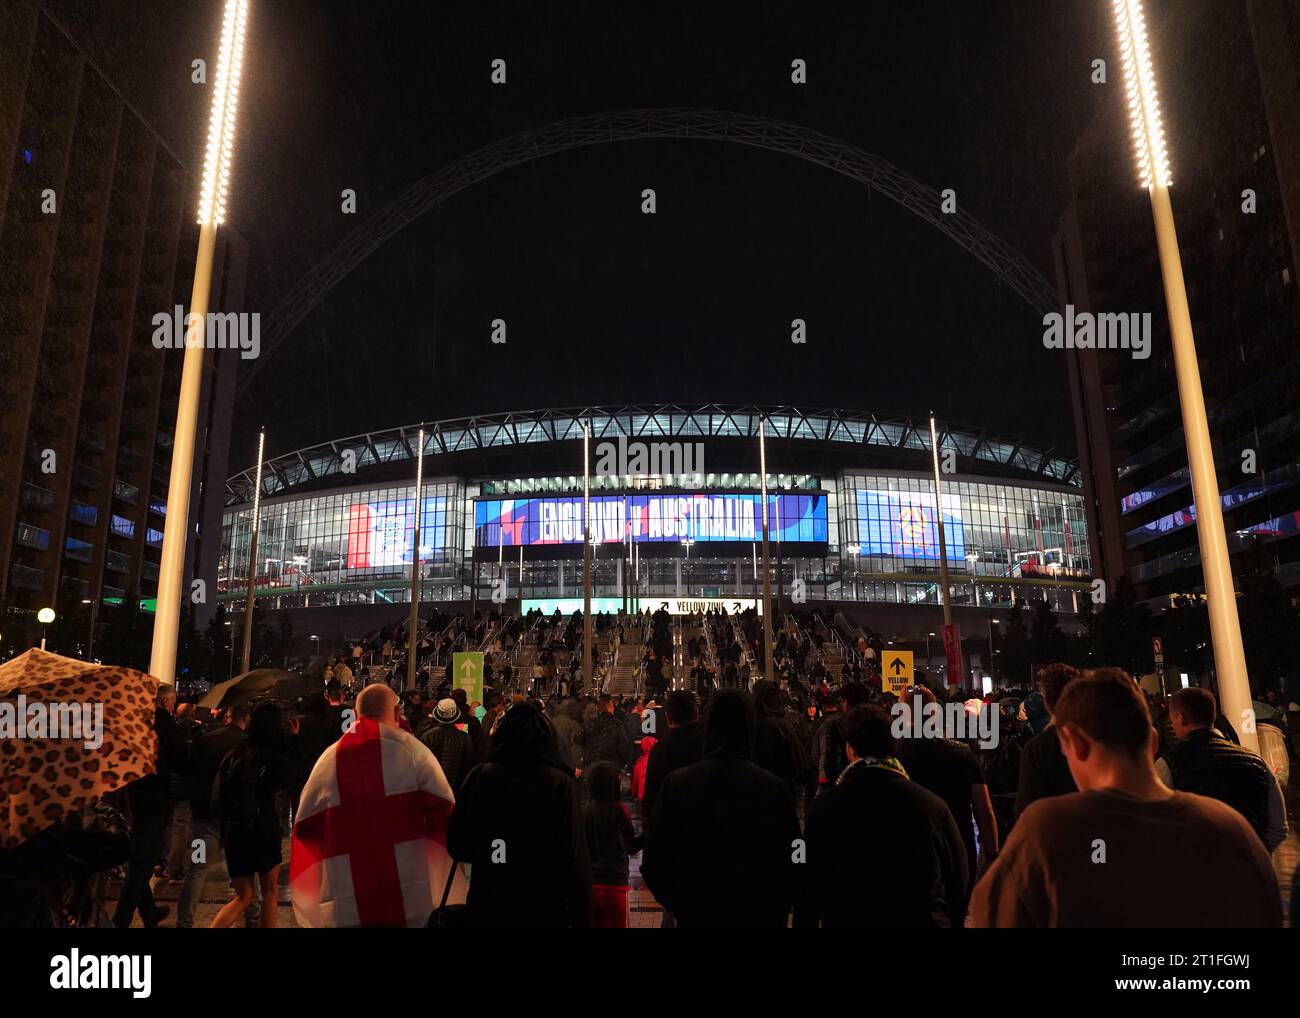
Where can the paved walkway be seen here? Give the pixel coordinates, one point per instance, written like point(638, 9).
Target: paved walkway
point(644, 911)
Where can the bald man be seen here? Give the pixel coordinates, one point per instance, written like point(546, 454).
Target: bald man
point(369, 844)
point(379, 703)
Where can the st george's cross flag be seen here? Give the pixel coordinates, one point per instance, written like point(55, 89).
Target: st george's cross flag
point(370, 838)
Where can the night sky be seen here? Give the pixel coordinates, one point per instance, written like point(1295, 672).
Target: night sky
point(605, 304)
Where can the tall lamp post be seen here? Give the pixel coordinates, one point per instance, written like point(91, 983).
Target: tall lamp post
point(252, 556)
point(45, 616)
point(767, 572)
point(413, 624)
point(1153, 171)
point(938, 523)
point(212, 210)
point(586, 557)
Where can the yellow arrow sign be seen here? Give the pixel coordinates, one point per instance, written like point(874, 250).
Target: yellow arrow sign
point(896, 671)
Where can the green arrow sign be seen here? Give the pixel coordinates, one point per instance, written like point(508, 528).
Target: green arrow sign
point(467, 674)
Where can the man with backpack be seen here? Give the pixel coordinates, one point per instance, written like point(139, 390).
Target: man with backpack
point(205, 761)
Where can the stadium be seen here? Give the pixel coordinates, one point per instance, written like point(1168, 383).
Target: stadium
point(676, 518)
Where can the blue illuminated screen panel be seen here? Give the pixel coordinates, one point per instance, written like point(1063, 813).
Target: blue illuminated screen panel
point(902, 524)
point(708, 517)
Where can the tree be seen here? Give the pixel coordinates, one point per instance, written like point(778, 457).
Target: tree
point(218, 634)
point(1185, 629)
point(1046, 641)
point(1014, 644)
point(126, 637)
point(1124, 631)
point(193, 655)
point(1082, 646)
point(285, 640)
point(1270, 623)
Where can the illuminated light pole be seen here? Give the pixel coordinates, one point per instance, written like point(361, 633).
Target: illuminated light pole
point(414, 623)
point(212, 210)
point(252, 555)
point(1153, 172)
point(938, 523)
point(767, 571)
point(992, 622)
point(45, 616)
point(586, 556)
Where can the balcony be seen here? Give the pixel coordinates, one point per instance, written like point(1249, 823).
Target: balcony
point(78, 590)
point(87, 477)
point(30, 536)
point(78, 551)
point(86, 515)
point(24, 578)
point(35, 497)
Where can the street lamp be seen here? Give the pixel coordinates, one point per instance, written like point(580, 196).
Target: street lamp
point(972, 558)
point(94, 609)
point(767, 573)
point(1153, 172)
point(586, 555)
point(212, 210)
point(992, 622)
point(230, 667)
point(413, 624)
point(45, 616)
point(251, 594)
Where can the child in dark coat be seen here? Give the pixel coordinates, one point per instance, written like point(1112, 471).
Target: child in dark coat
point(610, 840)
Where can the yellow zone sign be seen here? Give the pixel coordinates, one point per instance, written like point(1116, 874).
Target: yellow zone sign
point(896, 671)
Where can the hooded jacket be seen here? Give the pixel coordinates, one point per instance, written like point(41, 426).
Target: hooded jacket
point(720, 846)
point(517, 822)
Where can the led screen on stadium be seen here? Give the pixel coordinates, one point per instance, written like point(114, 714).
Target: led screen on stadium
point(711, 517)
point(379, 533)
point(902, 524)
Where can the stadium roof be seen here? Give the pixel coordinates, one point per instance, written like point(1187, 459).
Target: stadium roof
point(665, 421)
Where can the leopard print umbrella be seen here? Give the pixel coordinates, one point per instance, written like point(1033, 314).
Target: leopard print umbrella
point(70, 731)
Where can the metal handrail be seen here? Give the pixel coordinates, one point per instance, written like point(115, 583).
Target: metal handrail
point(847, 653)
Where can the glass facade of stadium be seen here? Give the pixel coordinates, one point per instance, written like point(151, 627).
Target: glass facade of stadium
point(867, 536)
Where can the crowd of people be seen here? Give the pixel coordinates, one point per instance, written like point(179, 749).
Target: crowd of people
point(808, 800)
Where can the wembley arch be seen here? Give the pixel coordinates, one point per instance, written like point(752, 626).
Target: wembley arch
point(871, 171)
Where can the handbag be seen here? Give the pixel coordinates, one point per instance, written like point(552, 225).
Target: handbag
point(455, 917)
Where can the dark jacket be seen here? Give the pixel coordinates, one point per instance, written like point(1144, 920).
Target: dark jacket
point(611, 837)
point(719, 850)
point(454, 750)
point(149, 796)
point(517, 822)
point(680, 747)
point(947, 768)
point(208, 753)
point(605, 738)
point(882, 852)
point(1208, 764)
point(777, 749)
point(568, 732)
point(1043, 770)
point(317, 731)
